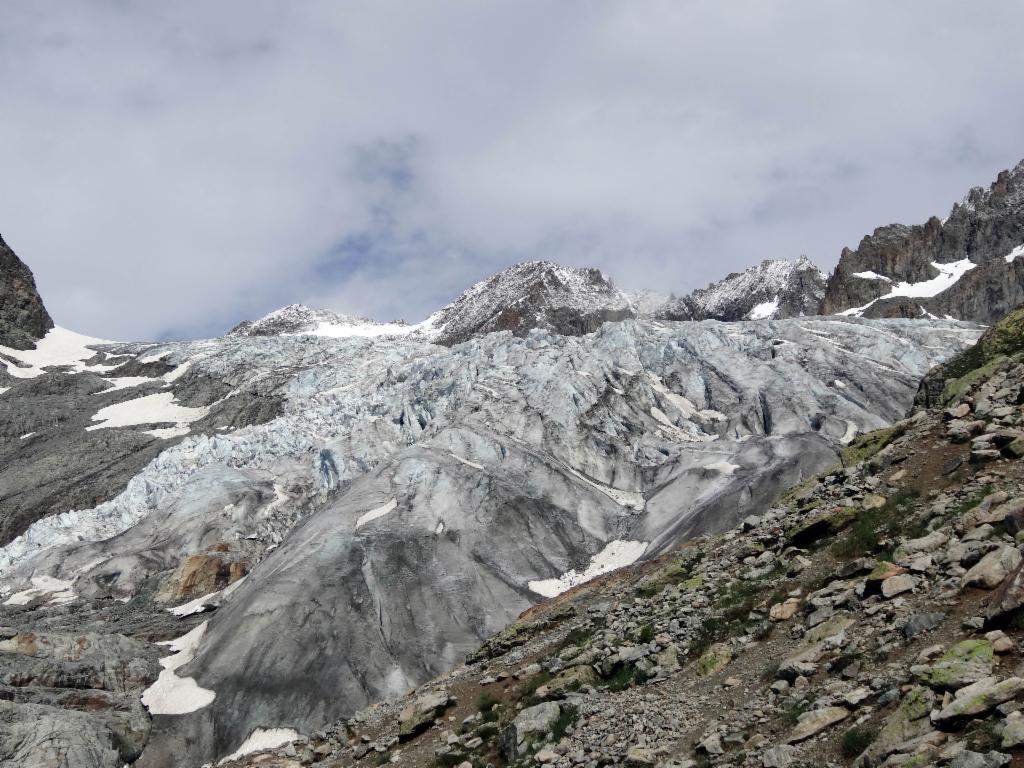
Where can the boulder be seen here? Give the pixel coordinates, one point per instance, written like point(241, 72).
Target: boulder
point(1013, 731)
point(897, 585)
point(421, 713)
point(966, 662)
point(978, 698)
point(990, 571)
point(784, 611)
point(529, 726)
point(820, 526)
point(567, 681)
point(922, 622)
point(873, 501)
point(909, 721)
point(815, 721)
point(714, 659)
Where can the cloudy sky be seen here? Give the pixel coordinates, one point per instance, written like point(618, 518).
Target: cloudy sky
point(167, 169)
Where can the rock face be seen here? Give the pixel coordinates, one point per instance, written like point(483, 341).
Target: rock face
point(968, 266)
point(23, 318)
point(535, 294)
point(773, 289)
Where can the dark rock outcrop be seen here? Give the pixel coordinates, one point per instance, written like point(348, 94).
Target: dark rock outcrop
point(985, 228)
point(23, 318)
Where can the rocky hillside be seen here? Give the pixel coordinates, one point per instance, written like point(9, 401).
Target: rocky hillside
point(967, 266)
point(773, 289)
point(23, 318)
point(870, 618)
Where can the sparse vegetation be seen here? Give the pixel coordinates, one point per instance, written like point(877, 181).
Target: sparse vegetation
point(620, 679)
point(866, 446)
point(871, 526)
point(857, 739)
point(646, 634)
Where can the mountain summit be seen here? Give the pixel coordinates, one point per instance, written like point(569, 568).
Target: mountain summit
point(534, 294)
point(771, 290)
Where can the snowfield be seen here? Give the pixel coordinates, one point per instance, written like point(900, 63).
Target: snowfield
point(948, 275)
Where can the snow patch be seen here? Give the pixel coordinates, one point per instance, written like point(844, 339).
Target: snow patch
point(57, 592)
point(765, 310)
point(869, 275)
point(26, 436)
point(59, 347)
point(373, 514)
point(467, 462)
point(949, 274)
point(177, 373)
point(616, 554)
point(125, 382)
point(262, 739)
point(157, 408)
point(1018, 251)
point(173, 695)
point(212, 600)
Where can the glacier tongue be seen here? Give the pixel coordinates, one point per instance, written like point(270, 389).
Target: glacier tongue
point(498, 463)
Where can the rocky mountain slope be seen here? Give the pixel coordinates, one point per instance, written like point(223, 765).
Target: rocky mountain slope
point(966, 266)
point(535, 294)
point(23, 318)
point(871, 617)
point(334, 519)
point(774, 289)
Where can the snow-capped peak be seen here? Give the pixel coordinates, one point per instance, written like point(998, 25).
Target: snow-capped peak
point(774, 288)
point(300, 319)
point(533, 294)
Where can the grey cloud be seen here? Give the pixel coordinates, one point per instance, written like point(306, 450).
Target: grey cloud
point(170, 168)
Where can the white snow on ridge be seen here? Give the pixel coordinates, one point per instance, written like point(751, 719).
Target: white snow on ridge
point(261, 739)
point(373, 514)
point(365, 330)
point(158, 408)
point(869, 275)
point(173, 695)
point(765, 310)
point(59, 347)
point(616, 554)
point(1018, 251)
point(948, 275)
